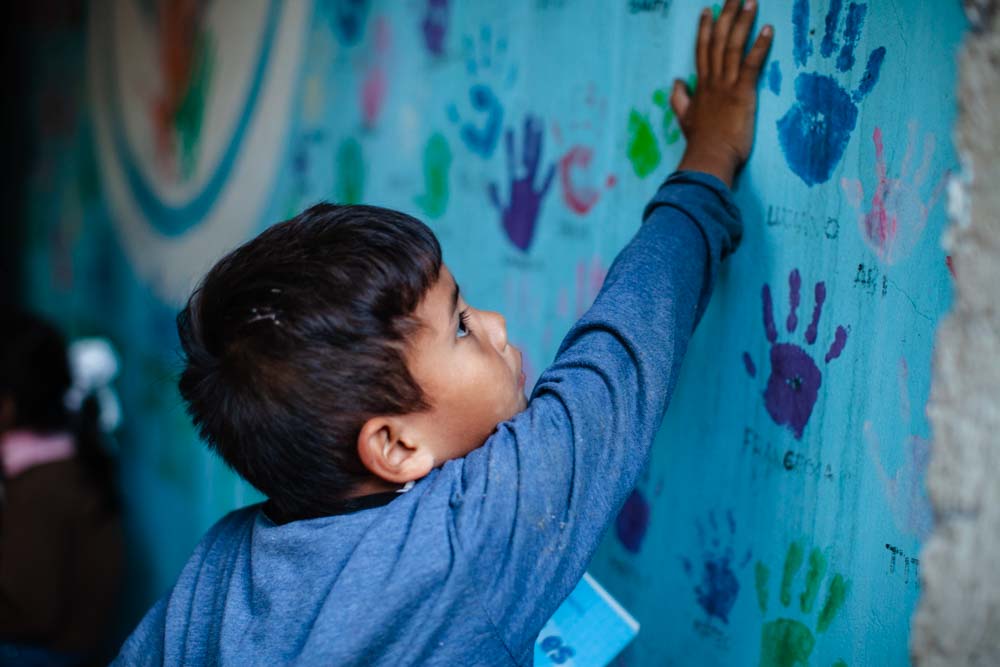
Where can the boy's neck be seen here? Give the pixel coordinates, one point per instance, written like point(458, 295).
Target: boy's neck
point(372, 486)
point(370, 493)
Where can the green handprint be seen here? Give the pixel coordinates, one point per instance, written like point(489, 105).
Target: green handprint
point(437, 162)
point(643, 151)
point(786, 642)
point(671, 131)
point(643, 148)
point(350, 172)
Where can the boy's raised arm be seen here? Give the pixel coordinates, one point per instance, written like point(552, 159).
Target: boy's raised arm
point(530, 506)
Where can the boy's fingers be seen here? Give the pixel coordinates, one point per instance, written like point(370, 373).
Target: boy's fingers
point(680, 100)
point(720, 36)
point(704, 41)
point(738, 40)
point(754, 61)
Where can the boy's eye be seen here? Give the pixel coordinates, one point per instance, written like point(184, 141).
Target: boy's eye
point(463, 324)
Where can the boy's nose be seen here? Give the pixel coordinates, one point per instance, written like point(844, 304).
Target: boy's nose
point(498, 330)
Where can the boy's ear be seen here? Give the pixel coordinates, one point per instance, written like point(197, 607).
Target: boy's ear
point(387, 450)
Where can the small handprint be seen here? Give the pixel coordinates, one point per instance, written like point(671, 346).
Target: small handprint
point(347, 18)
point(795, 378)
point(576, 166)
point(814, 133)
point(589, 280)
point(643, 149)
point(632, 521)
point(579, 198)
point(306, 145)
point(375, 84)
point(633, 518)
point(435, 26)
point(716, 584)
point(905, 490)
point(350, 185)
point(520, 214)
point(437, 163)
point(898, 213)
point(787, 642)
point(488, 60)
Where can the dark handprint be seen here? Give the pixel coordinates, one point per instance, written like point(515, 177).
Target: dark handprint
point(795, 378)
point(482, 139)
point(520, 215)
point(814, 133)
point(348, 19)
point(486, 61)
point(435, 26)
point(716, 583)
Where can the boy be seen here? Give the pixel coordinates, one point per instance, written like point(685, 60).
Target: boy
point(421, 511)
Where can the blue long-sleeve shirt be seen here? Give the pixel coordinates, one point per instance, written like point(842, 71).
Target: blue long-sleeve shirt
point(466, 567)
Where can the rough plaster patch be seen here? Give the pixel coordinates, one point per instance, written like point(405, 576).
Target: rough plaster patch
point(958, 620)
point(980, 12)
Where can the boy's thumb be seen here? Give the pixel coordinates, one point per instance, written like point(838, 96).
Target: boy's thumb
point(680, 100)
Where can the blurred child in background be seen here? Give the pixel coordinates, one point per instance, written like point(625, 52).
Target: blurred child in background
point(60, 529)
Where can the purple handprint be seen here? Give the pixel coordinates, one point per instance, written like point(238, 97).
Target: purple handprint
point(435, 26)
point(632, 521)
point(795, 378)
point(521, 213)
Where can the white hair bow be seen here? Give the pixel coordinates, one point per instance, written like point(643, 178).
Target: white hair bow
point(94, 364)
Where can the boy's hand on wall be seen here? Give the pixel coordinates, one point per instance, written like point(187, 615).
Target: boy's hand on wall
point(718, 118)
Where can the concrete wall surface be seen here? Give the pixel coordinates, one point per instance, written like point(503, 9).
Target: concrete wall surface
point(958, 619)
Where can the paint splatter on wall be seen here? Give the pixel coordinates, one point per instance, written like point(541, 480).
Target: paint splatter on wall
point(783, 510)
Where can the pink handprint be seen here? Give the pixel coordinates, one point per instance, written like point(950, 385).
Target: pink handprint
point(589, 280)
point(376, 83)
point(520, 214)
point(905, 491)
point(898, 213)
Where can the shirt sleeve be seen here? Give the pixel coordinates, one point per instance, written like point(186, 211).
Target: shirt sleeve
point(530, 506)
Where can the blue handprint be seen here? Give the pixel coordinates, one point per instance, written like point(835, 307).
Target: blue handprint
point(716, 583)
point(482, 139)
point(487, 60)
point(814, 133)
point(521, 213)
point(347, 17)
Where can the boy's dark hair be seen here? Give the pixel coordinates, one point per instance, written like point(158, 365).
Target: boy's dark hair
point(296, 338)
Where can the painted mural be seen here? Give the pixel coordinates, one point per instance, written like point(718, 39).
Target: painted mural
point(780, 518)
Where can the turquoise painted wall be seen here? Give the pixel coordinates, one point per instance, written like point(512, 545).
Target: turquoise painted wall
point(783, 511)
